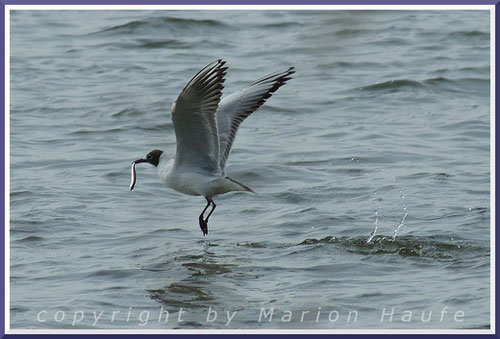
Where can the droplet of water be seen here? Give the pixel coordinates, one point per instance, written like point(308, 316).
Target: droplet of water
point(401, 224)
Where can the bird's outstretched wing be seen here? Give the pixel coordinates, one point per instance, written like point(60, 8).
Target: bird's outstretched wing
point(193, 116)
point(236, 107)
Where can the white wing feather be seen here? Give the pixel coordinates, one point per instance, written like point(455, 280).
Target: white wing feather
point(195, 124)
point(236, 107)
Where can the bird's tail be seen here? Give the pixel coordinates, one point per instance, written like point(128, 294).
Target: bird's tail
point(241, 186)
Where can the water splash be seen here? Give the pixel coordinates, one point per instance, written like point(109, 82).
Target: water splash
point(370, 237)
point(368, 165)
point(401, 224)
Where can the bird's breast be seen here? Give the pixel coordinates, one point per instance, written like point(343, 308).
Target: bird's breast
point(182, 182)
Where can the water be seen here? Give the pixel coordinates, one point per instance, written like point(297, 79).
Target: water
point(371, 166)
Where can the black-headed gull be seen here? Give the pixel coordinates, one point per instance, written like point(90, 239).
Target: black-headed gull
point(205, 127)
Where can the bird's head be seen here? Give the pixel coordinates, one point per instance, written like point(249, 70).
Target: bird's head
point(152, 157)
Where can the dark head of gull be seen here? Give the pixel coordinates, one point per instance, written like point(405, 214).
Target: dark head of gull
point(152, 157)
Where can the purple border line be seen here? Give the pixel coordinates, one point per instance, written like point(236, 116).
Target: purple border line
point(247, 336)
point(2, 184)
point(497, 235)
point(216, 336)
point(211, 2)
point(249, 2)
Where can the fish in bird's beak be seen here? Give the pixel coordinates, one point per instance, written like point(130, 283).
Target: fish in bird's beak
point(134, 176)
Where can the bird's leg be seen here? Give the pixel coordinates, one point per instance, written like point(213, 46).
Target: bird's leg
point(211, 211)
point(203, 223)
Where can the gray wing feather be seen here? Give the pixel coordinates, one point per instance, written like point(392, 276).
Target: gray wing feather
point(236, 107)
point(195, 124)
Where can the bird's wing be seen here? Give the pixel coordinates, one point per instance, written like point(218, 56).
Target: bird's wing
point(236, 107)
point(195, 124)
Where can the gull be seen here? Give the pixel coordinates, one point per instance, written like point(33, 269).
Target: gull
point(205, 128)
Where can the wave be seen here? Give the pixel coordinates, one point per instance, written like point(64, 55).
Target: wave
point(469, 34)
point(393, 84)
point(349, 32)
point(436, 85)
point(459, 81)
point(30, 239)
point(129, 111)
point(167, 23)
point(285, 24)
point(406, 246)
point(168, 43)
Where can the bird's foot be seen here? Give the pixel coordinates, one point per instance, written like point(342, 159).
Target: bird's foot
point(203, 226)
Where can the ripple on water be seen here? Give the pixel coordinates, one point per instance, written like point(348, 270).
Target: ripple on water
point(432, 248)
point(162, 23)
point(393, 85)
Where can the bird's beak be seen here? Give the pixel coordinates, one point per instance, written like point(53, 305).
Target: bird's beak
point(139, 161)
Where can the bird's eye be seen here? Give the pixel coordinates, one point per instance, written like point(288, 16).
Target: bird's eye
point(149, 156)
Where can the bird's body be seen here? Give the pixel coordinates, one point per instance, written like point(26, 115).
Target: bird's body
point(205, 128)
point(192, 182)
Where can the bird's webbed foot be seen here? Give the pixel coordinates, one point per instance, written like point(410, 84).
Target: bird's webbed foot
point(203, 225)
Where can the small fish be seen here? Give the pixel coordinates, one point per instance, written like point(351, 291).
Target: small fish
point(132, 184)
